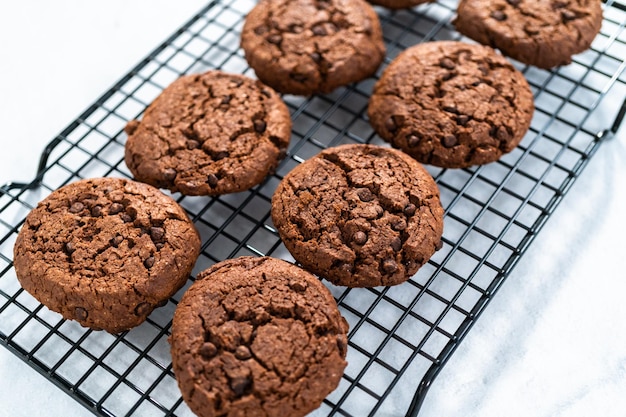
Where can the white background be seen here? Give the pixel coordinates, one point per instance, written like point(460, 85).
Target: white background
point(551, 343)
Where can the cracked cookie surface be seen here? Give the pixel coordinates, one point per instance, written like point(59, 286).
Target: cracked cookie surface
point(209, 134)
point(105, 252)
point(257, 337)
point(544, 33)
point(451, 104)
point(312, 46)
point(359, 215)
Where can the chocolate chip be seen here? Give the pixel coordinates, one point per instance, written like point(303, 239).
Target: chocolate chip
point(398, 225)
point(77, 207)
point(132, 212)
point(260, 30)
point(193, 144)
point(143, 309)
point(80, 313)
point(531, 30)
point(502, 133)
point(115, 208)
point(259, 126)
point(413, 140)
point(316, 57)
point(266, 93)
point(208, 350)
point(390, 124)
point(294, 28)
point(115, 241)
point(379, 211)
point(212, 180)
point(162, 303)
point(439, 245)
point(513, 2)
point(462, 119)
point(449, 141)
point(70, 247)
point(498, 15)
point(365, 195)
point(390, 266)
point(239, 385)
point(447, 63)
point(126, 218)
point(319, 30)
point(220, 155)
point(169, 174)
point(96, 211)
point(298, 77)
point(298, 285)
point(359, 238)
point(409, 209)
point(149, 262)
point(242, 353)
point(451, 109)
point(396, 244)
point(157, 233)
point(275, 39)
point(568, 15)
point(226, 99)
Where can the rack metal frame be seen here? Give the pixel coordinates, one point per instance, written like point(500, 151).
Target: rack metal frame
point(400, 337)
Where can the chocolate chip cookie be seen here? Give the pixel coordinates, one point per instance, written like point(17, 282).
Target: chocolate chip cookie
point(451, 104)
point(105, 252)
point(359, 215)
point(312, 46)
point(209, 134)
point(398, 4)
point(544, 33)
point(257, 336)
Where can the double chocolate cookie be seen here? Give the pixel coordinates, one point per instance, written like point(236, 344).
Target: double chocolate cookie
point(257, 336)
point(544, 33)
point(451, 104)
point(359, 215)
point(105, 252)
point(312, 46)
point(209, 134)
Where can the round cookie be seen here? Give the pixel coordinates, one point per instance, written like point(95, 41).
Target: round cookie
point(398, 4)
point(257, 336)
point(451, 104)
point(544, 33)
point(359, 215)
point(105, 252)
point(312, 46)
point(209, 134)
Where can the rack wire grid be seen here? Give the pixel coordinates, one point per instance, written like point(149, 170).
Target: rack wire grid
point(401, 336)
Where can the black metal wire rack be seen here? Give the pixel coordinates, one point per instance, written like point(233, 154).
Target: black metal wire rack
point(400, 337)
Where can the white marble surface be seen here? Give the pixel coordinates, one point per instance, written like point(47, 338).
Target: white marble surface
point(551, 343)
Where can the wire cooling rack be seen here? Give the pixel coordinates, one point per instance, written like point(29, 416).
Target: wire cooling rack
point(400, 337)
